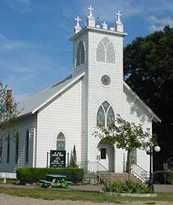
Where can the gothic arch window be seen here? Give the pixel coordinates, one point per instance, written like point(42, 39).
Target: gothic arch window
point(80, 54)
point(60, 141)
point(105, 51)
point(105, 115)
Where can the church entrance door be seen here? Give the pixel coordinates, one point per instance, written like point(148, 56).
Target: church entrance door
point(107, 158)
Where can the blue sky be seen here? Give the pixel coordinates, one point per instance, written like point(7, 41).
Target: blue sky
point(34, 47)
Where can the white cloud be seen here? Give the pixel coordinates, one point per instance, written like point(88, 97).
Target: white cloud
point(146, 9)
point(11, 45)
point(158, 23)
point(107, 9)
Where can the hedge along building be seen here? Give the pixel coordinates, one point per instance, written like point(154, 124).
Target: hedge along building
point(66, 113)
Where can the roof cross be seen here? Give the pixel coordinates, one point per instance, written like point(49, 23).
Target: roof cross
point(119, 14)
point(91, 9)
point(78, 19)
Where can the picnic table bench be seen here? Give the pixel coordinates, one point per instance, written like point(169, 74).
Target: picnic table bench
point(55, 181)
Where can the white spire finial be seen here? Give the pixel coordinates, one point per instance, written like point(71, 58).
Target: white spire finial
point(119, 14)
point(77, 27)
point(91, 9)
point(104, 25)
point(77, 19)
point(119, 27)
point(91, 19)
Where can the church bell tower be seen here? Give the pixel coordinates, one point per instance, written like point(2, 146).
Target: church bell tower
point(98, 51)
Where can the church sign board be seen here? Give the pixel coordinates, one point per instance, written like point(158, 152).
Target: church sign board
point(57, 158)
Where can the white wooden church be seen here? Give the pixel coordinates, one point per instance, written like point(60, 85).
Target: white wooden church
point(66, 113)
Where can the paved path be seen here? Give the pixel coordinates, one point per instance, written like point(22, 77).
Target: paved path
point(12, 200)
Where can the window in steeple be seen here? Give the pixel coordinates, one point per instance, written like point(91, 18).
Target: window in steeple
point(80, 54)
point(105, 51)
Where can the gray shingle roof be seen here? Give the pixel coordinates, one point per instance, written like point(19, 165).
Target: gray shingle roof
point(32, 102)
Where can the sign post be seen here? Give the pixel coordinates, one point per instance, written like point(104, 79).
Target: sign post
point(57, 158)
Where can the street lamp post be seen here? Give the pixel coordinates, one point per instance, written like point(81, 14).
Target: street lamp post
point(151, 152)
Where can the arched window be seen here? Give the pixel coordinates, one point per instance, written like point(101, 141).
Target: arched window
point(110, 117)
point(105, 51)
point(80, 54)
point(27, 146)
point(101, 117)
point(60, 143)
point(105, 115)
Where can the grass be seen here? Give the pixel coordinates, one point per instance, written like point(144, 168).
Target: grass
point(53, 194)
point(8, 181)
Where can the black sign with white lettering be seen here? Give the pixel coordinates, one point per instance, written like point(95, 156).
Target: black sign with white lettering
point(57, 158)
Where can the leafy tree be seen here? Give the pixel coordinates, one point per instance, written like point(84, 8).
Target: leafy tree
point(7, 107)
point(148, 70)
point(127, 136)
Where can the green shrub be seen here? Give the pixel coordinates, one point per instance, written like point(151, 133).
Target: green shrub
point(170, 178)
point(125, 187)
point(33, 175)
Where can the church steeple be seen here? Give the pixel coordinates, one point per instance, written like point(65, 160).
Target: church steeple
point(102, 38)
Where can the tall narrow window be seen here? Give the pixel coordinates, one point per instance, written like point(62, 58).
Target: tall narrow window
point(17, 147)
point(105, 115)
point(1, 148)
point(101, 117)
point(80, 54)
point(8, 149)
point(60, 143)
point(110, 117)
point(27, 147)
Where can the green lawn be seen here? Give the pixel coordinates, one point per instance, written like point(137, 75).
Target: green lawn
point(51, 194)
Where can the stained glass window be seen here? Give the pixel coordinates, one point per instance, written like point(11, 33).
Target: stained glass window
point(110, 117)
point(105, 115)
point(80, 54)
point(101, 117)
point(60, 144)
point(106, 106)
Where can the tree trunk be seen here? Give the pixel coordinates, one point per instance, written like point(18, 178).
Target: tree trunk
point(128, 167)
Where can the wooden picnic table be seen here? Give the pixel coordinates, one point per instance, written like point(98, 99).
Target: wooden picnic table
point(55, 180)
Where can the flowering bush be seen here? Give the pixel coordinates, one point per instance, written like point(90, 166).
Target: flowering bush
point(125, 135)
